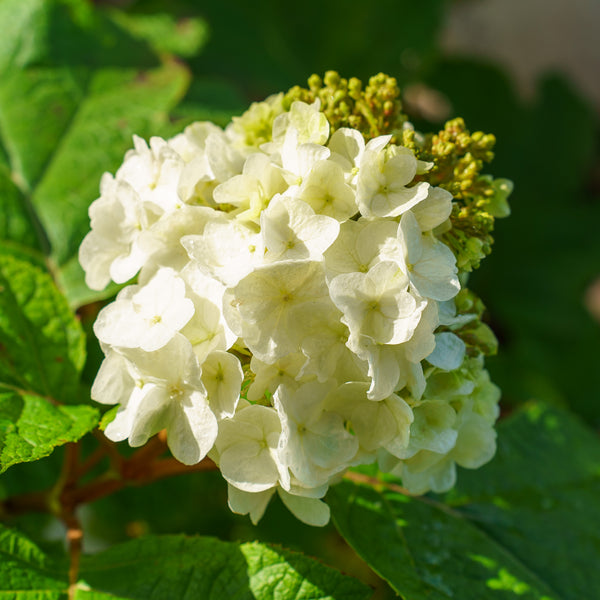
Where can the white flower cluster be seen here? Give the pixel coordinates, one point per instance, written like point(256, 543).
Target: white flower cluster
point(285, 312)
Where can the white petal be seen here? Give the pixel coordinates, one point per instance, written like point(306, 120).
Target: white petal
point(449, 351)
point(309, 510)
point(222, 375)
point(245, 503)
point(192, 430)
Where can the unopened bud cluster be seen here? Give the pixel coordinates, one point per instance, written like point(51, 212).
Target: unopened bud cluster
point(295, 311)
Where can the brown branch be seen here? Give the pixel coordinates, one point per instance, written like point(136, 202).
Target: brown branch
point(24, 503)
point(170, 467)
point(374, 482)
point(63, 499)
point(70, 464)
point(142, 468)
point(74, 539)
point(154, 448)
point(132, 473)
point(110, 448)
point(91, 461)
point(96, 489)
point(393, 487)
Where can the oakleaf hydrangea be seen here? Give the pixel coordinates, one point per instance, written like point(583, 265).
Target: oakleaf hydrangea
point(295, 303)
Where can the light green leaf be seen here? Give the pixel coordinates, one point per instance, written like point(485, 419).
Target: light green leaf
point(520, 527)
point(47, 62)
point(42, 346)
point(74, 88)
point(26, 572)
point(42, 351)
point(183, 37)
point(166, 567)
point(31, 427)
point(195, 567)
point(114, 105)
point(71, 279)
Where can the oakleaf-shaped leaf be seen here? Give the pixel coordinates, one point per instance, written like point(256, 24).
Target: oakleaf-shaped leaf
point(524, 526)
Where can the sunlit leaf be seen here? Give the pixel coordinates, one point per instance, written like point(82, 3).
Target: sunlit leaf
point(161, 568)
point(42, 352)
point(520, 527)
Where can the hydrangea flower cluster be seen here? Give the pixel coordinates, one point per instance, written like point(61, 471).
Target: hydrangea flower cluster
point(296, 310)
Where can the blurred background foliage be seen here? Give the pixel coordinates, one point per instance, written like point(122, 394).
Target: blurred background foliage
point(185, 60)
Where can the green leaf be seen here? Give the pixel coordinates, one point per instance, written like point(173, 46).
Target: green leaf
point(42, 346)
point(195, 567)
point(156, 568)
point(114, 104)
point(74, 88)
point(71, 279)
point(26, 572)
point(520, 527)
point(17, 222)
point(184, 37)
point(42, 351)
point(539, 498)
point(31, 427)
point(47, 60)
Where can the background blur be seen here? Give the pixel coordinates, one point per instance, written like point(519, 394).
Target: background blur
point(525, 71)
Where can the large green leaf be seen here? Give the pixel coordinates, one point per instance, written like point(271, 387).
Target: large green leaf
point(74, 88)
point(524, 526)
point(195, 567)
point(157, 568)
point(26, 572)
point(42, 351)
